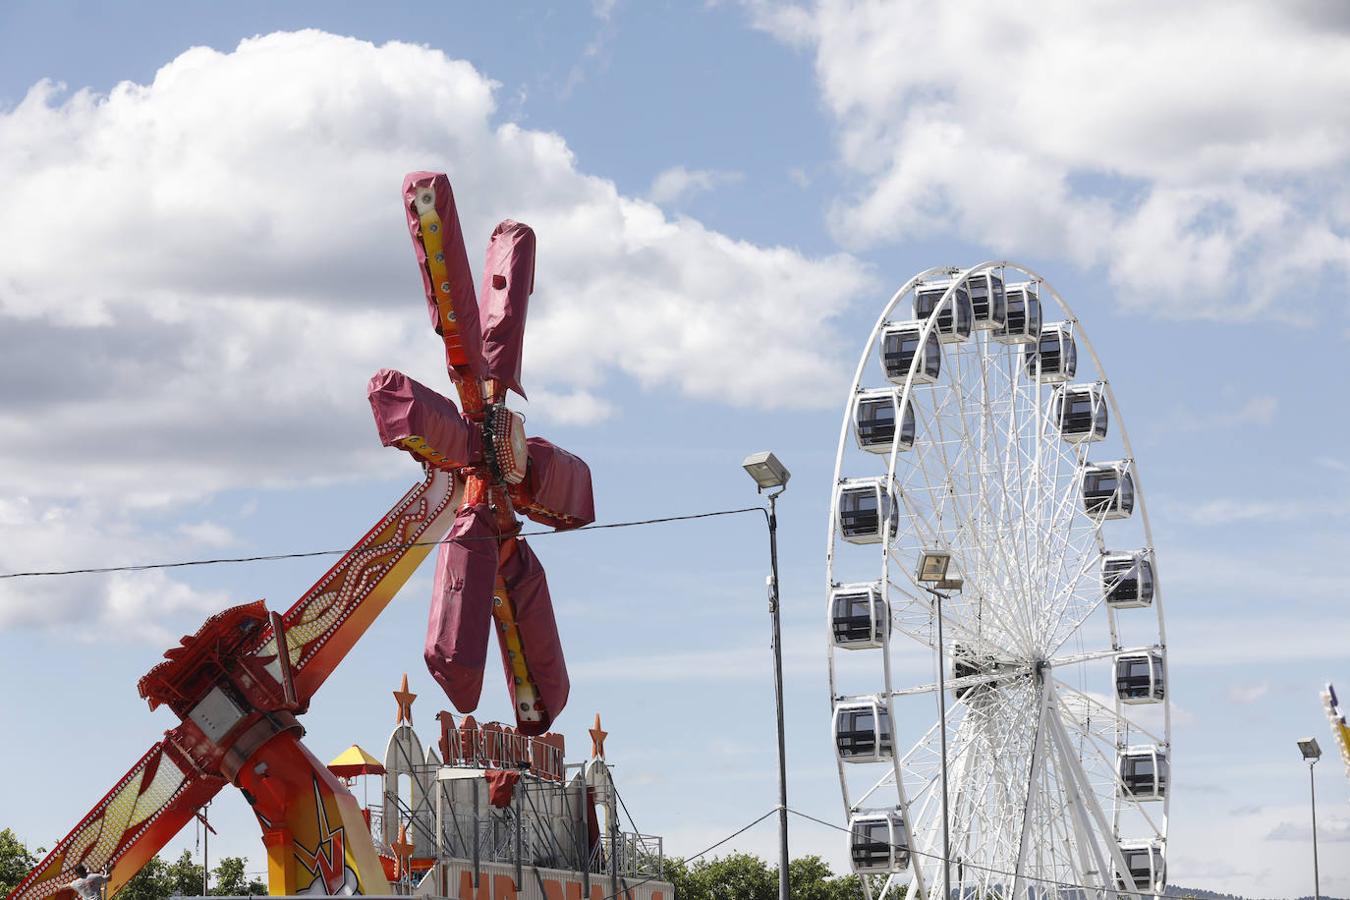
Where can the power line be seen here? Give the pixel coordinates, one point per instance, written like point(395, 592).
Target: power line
point(271, 557)
point(992, 871)
point(704, 852)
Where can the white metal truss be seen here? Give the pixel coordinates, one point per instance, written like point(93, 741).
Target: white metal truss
point(1034, 723)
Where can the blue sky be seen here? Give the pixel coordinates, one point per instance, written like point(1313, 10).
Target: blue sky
point(725, 196)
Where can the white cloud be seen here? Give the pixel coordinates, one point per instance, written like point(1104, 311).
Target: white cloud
point(208, 534)
point(1333, 831)
point(201, 273)
point(678, 183)
point(120, 606)
point(244, 267)
point(1248, 693)
point(801, 654)
point(1229, 511)
point(1255, 640)
point(1257, 410)
point(1196, 151)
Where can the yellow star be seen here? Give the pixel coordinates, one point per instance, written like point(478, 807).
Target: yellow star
point(405, 702)
point(598, 736)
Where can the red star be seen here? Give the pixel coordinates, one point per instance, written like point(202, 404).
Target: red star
point(405, 701)
point(598, 736)
point(403, 851)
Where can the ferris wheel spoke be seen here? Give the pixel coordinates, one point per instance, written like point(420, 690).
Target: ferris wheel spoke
point(1012, 486)
point(1005, 560)
point(1069, 620)
point(1119, 721)
point(1074, 659)
point(960, 625)
point(969, 681)
point(1062, 487)
point(1078, 784)
point(1081, 841)
point(984, 791)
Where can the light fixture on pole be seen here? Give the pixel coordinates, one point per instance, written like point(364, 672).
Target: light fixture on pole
point(772, 476)
point(932, 576)
point(1312, 753)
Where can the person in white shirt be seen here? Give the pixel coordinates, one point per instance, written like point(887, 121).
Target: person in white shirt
point(86, 886)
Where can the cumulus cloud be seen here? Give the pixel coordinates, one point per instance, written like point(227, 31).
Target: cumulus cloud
point(122, 606)
point(1235, 510)
point(1334, 830)
point(1246, 694)
point(200, 274)
point(1196, 152)
point(217, 260)
point(677, 183)
point(1256, 410)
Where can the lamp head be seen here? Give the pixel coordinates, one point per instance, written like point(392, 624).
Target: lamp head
point(933, 566)
point(1308, 747)
point(767, 471)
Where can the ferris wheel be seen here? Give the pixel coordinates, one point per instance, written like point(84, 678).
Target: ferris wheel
point(988, 534)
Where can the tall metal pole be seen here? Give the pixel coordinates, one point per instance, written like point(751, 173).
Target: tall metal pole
point(1312, 788)
point(778, 697)
point(206, 851)
point(942, 729)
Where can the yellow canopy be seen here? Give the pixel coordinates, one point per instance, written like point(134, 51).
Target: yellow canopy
point(354, 761)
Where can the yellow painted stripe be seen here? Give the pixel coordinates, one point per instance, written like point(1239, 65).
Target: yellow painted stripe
point(434, 245)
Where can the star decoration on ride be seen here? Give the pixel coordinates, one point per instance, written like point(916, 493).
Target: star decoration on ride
point(484, 570)
point(598, 736)
point(404, 698)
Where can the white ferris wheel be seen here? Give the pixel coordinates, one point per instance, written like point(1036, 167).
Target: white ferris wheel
point(988, 532)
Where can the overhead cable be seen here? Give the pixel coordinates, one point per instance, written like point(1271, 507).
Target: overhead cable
point(271, 557)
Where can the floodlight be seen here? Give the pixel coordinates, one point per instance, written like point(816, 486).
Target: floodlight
point(949, 584)
point(767, 471)
point(933, 566)
point(1309, 748)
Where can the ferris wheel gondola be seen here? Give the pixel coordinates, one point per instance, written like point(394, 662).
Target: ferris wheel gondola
point(992, 436)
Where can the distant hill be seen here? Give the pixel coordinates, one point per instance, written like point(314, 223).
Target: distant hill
point(1174, 890)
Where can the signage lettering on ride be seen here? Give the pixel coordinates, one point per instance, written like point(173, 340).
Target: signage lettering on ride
point(493, 745)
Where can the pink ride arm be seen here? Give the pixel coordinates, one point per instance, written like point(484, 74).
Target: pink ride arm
point(508, 281)
point(528, 588)
point(557, 488)
point(411, 416)
point(447, 281)
point(461, 607)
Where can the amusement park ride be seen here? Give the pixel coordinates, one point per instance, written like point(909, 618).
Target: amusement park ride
point(241, 682)
point(989, 515)
point(1340, 731)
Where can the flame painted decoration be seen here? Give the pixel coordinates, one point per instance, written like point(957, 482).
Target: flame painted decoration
point(240, 683)
point(484, 572)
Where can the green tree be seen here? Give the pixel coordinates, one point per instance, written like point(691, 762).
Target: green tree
point(152, 882)
point(15, 861)
point(810, 878)
point(185, 876)
point(743, 876)
point(229, 880)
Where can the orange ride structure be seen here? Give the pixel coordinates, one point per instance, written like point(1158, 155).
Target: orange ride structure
point(241, 682)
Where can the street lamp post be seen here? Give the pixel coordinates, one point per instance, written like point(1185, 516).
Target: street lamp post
point(1312, 753)
point(771, 475)
point(932, 576)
